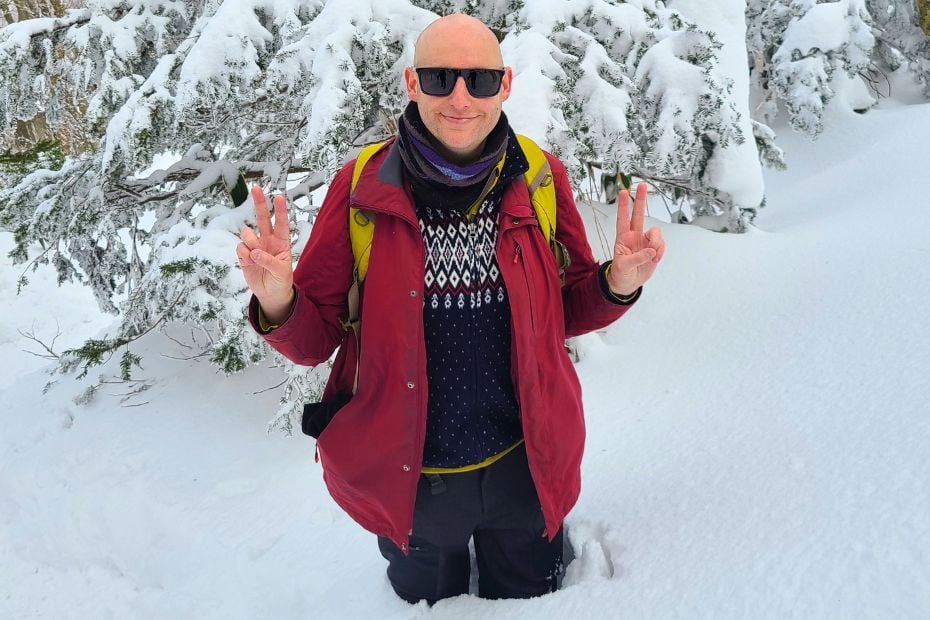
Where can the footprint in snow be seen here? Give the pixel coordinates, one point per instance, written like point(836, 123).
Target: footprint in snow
point(592, 553)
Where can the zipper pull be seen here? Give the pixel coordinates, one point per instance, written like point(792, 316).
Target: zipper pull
point(316, 452)
point(516, 252)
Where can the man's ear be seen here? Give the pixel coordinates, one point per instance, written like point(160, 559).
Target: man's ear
point(505, 83)
point(410, 79)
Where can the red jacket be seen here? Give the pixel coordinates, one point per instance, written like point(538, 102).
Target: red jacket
point(372, 450)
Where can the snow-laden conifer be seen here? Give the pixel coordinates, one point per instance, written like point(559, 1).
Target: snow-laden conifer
point(281, 93)
point(629, 87)
point(797, 48)
point(899, 39)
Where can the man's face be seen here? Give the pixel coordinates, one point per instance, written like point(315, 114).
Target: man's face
point(459, 121)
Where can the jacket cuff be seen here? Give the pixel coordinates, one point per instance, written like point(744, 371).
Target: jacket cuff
point(609, 295)
point(260, 322)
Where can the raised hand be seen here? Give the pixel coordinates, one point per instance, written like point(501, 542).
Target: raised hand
point(266, 258)
point(636, 254)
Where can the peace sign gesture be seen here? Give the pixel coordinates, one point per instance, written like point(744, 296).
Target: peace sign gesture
point(636, 254)
point(266, 258)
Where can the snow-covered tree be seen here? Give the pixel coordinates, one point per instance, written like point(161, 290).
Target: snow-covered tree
point(281, 93)
point(798, 46)
point(899, 39)
point(27, 144)
point(239, 89)
point(803, 51)
point(629, 86)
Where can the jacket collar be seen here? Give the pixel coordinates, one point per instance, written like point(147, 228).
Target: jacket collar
point(382, 187)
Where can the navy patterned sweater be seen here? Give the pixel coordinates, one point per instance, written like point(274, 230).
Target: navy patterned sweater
point(472, 412)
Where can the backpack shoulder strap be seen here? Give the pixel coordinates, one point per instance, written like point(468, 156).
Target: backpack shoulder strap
point(361, 232)
point(539, 183)
point(540, 186)
point(361, 224)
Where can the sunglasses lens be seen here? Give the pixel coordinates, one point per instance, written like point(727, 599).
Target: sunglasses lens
point(439, 82)
point(436, 82)
point(482, 82)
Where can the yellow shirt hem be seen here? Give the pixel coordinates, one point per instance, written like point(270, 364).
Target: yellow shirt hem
point(460, 470)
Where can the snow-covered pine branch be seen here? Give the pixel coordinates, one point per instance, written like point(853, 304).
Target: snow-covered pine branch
point(797, 46)
point(899, 39)
point(803, 51)
point(241, 88)
point(281, 92)
point(629, 87)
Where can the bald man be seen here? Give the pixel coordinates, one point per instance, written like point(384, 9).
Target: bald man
point(456, 414)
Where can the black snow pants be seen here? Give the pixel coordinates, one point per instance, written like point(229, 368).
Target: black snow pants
point(497, 505)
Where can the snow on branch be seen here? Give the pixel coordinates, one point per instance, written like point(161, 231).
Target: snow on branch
point(627, 87)
point(281, 93)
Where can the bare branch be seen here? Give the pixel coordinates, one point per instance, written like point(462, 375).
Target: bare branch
point(49, 348)
point(273, 387)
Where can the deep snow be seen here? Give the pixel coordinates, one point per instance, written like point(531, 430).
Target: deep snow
point(758, 437)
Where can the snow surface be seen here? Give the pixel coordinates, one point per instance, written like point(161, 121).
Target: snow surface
point(758, 440)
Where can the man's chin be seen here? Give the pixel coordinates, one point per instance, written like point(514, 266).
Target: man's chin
point(460, 150)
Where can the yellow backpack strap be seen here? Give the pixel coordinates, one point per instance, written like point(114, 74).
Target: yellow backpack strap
point(361, 233)
point(541, 188)
point(361, 224)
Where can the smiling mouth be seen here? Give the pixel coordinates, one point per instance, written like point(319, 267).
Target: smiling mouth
point(459, 119)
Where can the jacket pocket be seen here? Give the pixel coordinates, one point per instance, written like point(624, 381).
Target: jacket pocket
point(317, 416)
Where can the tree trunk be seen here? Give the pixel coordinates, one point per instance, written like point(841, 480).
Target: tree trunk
point(29, 133)
point(923, 10)
point(29, 9)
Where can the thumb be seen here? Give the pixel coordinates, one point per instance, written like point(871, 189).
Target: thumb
point(272, 263)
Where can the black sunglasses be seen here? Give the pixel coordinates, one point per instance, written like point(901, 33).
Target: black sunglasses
point(439, 81)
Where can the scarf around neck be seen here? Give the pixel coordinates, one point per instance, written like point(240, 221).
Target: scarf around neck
point(436, 181)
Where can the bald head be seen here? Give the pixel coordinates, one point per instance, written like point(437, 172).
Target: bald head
point(457, 36)
point(459, 120)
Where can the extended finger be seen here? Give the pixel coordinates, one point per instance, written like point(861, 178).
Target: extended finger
point(262, 215)
point(623, 213)
point(247, 236)
point(244, 253)
point(656, 242)
point(639, 208)
point(281, 225)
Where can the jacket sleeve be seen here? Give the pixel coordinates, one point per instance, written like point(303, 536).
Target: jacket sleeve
point(586, 300)
point(322, 279)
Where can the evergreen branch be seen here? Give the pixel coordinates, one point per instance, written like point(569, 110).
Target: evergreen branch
point(93, 350)
point(676, 183)
point(134, 189)
point(77, 18)
point(880, 36)
point(33, 263)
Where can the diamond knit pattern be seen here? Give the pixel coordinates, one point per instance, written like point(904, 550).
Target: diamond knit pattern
point(472, 411)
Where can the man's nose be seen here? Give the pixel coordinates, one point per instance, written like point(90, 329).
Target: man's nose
point(460, 97)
